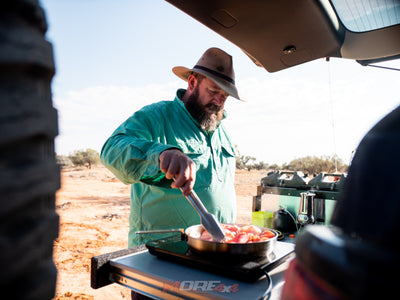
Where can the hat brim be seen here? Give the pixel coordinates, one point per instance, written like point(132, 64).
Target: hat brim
point(184, 73)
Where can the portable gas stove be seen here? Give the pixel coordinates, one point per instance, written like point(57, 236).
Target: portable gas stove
point(244, 268)
point(167, 269)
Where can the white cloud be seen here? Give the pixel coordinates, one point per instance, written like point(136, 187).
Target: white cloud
point(281, 120)
point(88, 117)
point(284, 118)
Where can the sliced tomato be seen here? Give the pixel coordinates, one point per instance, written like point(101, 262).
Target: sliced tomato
point(241, 238)
point(250, 229)
point(255, 238)
point(206, 236)
point(229, 236)
point(230, 227)
point(246, 234)
point(267, 233)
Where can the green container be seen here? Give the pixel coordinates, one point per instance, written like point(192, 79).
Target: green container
point(262, 218)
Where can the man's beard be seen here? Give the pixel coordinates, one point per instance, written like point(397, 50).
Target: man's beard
point(209, 116)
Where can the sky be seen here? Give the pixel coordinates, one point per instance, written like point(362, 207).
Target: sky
point(114, 57)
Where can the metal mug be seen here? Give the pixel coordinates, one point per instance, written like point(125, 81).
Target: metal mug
point(306, 209)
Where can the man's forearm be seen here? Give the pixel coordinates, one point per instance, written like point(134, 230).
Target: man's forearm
point(132, 158)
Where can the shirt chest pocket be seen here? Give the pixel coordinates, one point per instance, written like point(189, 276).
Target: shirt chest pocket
point(227, 150)
point(227, 161)
point(192, 148)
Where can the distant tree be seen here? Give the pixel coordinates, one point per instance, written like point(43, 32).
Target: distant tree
point(287, 166)
point(260, 166)
point(308, 164)
point(316, 165)
point(244, 162)
point(275, 167)
point(86, 157)
point(248, 162)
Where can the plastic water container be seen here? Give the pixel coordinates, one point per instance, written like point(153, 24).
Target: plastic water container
point(262, 218)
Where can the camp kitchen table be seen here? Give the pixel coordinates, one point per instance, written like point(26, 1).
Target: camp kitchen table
point(174, 276)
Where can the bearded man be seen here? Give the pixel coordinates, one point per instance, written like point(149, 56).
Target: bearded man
point(182, 139)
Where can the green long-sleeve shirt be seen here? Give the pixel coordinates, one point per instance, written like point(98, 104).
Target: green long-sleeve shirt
point(132, 152)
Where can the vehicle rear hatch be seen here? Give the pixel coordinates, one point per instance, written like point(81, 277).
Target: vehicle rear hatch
point(281, 34)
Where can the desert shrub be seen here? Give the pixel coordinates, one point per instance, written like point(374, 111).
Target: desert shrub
point(308, 164)
point(316, 165)
point(244, 162)
point(259, 166)
point(86, 157)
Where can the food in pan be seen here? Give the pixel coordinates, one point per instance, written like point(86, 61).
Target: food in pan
point(244, 234)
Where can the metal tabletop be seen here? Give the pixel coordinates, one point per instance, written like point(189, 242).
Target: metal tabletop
point(161, 279)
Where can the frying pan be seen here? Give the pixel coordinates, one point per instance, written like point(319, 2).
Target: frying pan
point(193, 233)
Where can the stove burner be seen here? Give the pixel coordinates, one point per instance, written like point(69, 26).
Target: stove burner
point(245, 268)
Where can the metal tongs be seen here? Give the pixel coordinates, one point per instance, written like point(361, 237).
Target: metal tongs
point(207, 219)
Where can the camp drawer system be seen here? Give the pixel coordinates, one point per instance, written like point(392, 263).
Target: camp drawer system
point(293, 187)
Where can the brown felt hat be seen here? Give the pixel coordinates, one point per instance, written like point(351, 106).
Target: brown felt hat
point(216, 65)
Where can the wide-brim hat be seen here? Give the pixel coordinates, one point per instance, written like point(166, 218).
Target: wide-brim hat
point(215, 64)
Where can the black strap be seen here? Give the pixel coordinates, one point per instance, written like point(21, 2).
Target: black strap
point(227, 78)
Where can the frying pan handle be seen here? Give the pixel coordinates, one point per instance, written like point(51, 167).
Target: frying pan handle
point(181, 231)
point(159, 231)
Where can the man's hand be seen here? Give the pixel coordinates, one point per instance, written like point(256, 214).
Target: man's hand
point(175, 164)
